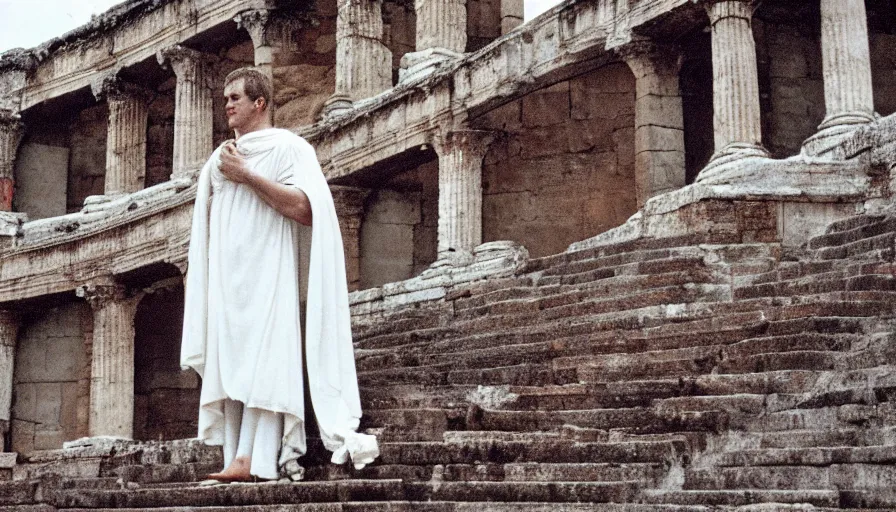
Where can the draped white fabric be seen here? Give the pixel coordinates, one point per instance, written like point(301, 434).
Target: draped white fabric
point(241, 320)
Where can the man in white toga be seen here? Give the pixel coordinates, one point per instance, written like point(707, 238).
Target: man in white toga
point(241, 318)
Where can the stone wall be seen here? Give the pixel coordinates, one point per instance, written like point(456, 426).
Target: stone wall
point(883, 72)
point(399, 228)
point(483, 23)
point(51, 382)
point(160, 134)
point(399, 31)
point(565, 171)
point(166, 398)
point(87, 166)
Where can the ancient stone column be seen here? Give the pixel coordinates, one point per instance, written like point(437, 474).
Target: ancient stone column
point(349, 203)
point(112, 367)
point(441, 35)
point(193, 111)
point(460, 192)
point(11, 131)
point(736, 121)
point(363, 62)
point(9, 331)
point(659, 119)
point(259, 25)
point(846, 61)
point(126, 139)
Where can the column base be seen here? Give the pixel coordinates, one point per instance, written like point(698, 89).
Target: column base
point(733, 152)
point(416, 65)
point(337, 104)
point(833, 130)
point(453, 259)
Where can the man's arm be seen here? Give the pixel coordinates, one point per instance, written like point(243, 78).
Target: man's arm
point(288, 201)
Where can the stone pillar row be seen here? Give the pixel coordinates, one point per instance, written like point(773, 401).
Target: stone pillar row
point(112, 367)
point(126, 139)
point(193, 111)
point(11, 131)
point(363, 62)
point(460, 192)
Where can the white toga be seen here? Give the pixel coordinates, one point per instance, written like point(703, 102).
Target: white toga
point(241, 320)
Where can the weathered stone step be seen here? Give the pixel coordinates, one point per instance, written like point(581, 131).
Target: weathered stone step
point(241, 495)
point(853, 229)
point(417, 506)
point(546, 450)
point(818, 284)
point(878, 247)
point(634, 420)
point(577, 264)
point(741, 497)
point(837, 476)
point(152, 473)
point(16, 493)
point(814, 456)
point(603, 395)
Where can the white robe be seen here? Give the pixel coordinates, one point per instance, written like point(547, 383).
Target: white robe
point(241, 317)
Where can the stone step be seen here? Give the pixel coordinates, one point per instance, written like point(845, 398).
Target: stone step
point(241, 495)
point(416, 506)
point(818, 284)
point(813, 456)
point(878, 247)
point(546, 450)
point(16, 493)
point(603, 395)
point(647, 473)
point(633, 420)
point(853, 222)
point(742, 497)
point(837, 476)
point(853, 229)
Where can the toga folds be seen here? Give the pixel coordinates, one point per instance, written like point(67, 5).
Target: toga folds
point(242, 332)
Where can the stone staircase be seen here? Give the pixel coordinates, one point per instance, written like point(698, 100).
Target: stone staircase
point(685, 374)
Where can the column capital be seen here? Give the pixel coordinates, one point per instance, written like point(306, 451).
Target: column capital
point(257, 22)
point(111, 87)
point(472, 142)
point(101, 293)
point(647, 56)
point(722, 9)
point(188, 64)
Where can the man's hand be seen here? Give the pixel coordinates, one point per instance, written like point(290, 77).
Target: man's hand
point(233, 164)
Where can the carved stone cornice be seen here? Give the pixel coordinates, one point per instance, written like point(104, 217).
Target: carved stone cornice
point(722, 9)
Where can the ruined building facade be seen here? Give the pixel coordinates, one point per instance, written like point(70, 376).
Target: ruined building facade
point(465, 151)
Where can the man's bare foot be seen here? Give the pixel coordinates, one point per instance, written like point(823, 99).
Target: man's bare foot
point(237, 471)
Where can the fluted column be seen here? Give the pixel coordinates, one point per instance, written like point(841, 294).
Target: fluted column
point(737, 124)
point(659, 118)
point(9, 331)
point(112, 366)
point(349, 203)
point(846, 62)
point(441, 35)
point(126, 139)
point(460, 192)
point(363, 62)
point(193, 110)
point(11, 131)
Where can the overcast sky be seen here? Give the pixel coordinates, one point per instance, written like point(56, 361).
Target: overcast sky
point(27, 23)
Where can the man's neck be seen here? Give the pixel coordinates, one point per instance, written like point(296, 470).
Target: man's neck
point(263, 124)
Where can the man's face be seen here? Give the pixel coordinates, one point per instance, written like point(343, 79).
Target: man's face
point(241, 111)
